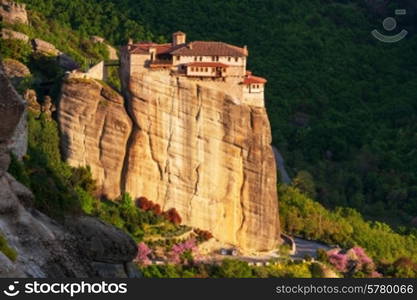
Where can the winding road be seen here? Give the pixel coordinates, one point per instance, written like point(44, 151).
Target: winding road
point(305, 247)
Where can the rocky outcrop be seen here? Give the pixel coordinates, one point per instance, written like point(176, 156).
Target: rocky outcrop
point(79, 247)
point(67, 62)
point(44, 47)
point(46, 248)
point(101, 242)
point(190, 148)
point(94, 131)
point(11, 12)
point(32, 101)
point(112, 51)
point(14, 35)
point(16, 72)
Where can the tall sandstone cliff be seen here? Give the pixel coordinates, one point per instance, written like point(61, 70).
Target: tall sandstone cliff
point(94, 131)
point(190, 147)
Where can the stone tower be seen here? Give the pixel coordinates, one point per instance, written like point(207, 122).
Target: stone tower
point(178, 38)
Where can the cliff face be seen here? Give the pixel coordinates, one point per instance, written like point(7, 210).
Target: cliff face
point(190, 148)
point(195, 150)
point(94, 131)
point(16, 72)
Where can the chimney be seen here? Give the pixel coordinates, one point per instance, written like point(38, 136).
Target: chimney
point(129, 44)
point(245, 50)
point(178, 38)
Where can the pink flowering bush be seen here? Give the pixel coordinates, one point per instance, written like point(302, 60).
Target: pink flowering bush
point(142, 257)
point(353, 261)
point(338, 260)
point(183, 252)
point(363, 258)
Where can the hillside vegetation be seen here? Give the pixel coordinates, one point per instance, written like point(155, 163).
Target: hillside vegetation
point(353, 94)
point(355, 147)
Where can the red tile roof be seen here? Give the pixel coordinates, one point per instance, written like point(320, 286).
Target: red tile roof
point(207, 64)
point(197, 48)
point(143, 48)
point(250, 79)
point(201, 48)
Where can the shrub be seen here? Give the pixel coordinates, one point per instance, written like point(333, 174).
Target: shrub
point(203, 235)
point(230, 268)
point(173, 216)
point(142, 257)
point(15, 49)
point(147, 205)
point(322, 256)
point(403, 267)
point(317, 270)
point(183, 252)
point(6, 249)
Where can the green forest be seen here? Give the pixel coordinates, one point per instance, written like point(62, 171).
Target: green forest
point(341, 104)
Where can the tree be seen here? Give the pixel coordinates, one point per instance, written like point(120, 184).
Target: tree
point(305, 183)
point(234, 269)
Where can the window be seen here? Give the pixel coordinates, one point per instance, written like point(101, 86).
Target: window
point(213, 58)
point(195, 58)
point(229, 58)
point(178, 57)
point(192, 69)
point(201, 58)
point(206, 69)
point(236, 59)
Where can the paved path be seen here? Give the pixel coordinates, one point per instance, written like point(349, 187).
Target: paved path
point(305, 247)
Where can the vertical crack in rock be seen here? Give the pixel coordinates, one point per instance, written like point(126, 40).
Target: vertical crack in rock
point(152, 150)
point(84, 151)
point(197, 144)
point(101, 142)
point(241, 200)
point(170, 137)
point(130, 141)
